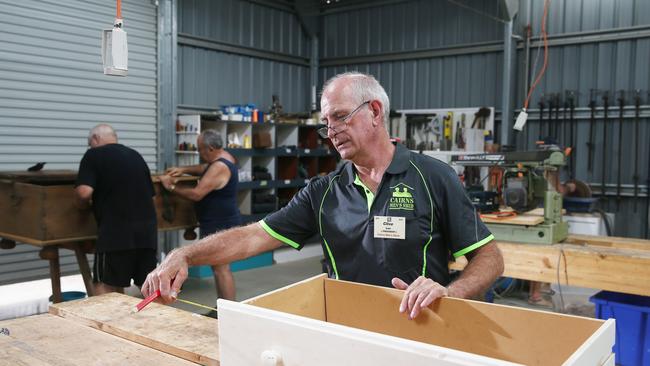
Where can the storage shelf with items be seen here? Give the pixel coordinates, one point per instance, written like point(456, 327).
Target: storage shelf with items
point(275, 160)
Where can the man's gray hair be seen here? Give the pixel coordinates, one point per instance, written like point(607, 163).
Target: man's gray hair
point(212, 138)
point(364, 87)
point(102, 130)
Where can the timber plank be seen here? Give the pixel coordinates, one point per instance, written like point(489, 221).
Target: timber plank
point(613, 269)
point(48, 340)
point(183, 334)
point(610, 241)
point(516, 220)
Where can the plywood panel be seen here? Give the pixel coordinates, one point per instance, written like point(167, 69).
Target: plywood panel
point(512, 334)
point(305, 298)
point(180, 333)
point(53, 341)
point(594, 266)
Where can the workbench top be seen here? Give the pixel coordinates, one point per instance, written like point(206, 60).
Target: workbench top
point(104, 329)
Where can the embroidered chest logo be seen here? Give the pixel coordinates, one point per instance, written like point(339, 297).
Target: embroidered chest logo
point(402, 198)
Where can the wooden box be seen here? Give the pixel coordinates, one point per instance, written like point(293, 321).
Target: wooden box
point(39, 208)
point(327, 322)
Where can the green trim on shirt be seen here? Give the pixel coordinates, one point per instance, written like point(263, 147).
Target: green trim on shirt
point(370, 197)
point(274, 234)
point(470, 248)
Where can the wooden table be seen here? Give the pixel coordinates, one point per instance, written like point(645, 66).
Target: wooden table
point(104, 330)
point(38, 208)
point(608, 263)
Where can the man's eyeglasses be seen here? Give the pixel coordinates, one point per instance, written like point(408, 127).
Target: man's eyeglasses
point(338, 121)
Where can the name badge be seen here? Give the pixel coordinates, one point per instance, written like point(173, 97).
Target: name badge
point(390, 227)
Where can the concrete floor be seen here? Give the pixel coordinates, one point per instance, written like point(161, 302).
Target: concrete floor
point(249, 283)
point(253, 282)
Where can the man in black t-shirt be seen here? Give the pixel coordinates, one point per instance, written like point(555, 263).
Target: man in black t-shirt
point(116, 182)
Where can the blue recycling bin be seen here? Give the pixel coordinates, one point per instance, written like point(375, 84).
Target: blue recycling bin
point(631, 312)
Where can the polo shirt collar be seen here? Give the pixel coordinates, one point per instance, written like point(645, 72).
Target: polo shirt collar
point(399, 164)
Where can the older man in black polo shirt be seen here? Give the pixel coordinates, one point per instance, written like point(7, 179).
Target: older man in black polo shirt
point(386, 217)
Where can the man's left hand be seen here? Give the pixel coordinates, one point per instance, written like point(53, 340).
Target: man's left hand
point(420, 294)
point(166, 181)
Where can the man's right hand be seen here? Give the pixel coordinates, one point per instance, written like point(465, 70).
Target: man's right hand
point(168, 277)
point(175, 171)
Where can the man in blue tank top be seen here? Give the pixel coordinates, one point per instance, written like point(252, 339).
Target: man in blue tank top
point(215, 197)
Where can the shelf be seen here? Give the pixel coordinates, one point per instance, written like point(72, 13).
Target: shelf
point(291, 183)
point(270, 184)
point(315, 152)
point(252, 152)
point(256, 184)
point(284, 160)
point(195, 133)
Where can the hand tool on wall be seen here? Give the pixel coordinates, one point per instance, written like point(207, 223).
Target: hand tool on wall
point(592, 122)
point(460, 126)
point(621, 107)
point(448, 122)
point(565, 135)
point(635, 177)
point(547, 131)
point(556, 126)
point(604, 162)
point(480, 117)
point(572, 133)
point(541, 117)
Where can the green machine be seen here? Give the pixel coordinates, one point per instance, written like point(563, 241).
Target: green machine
point(524, 187)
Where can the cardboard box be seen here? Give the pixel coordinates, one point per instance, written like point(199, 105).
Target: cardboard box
point(321, 321)
point(262, 140)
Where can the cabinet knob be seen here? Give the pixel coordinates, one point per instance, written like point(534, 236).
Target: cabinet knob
point(271, 358)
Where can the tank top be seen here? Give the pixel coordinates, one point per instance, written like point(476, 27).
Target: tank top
point(220, 205)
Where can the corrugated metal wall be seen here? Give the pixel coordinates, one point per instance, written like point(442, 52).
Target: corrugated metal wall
point(453, 81)
point(209, 78)
point(475, 79)
point(52, 91)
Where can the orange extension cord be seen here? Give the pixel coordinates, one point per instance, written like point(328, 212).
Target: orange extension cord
point(545, 40)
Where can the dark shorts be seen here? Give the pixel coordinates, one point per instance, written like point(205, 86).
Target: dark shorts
point(119, 267)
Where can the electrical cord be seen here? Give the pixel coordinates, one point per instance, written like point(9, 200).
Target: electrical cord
point(559, 285)
point(545, 41)
point(603, 214)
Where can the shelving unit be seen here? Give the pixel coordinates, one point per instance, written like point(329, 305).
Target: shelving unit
point(296, 155)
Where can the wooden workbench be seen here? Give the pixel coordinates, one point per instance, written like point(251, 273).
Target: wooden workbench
point(607, 263)
point(38, 208)
point(104, 330)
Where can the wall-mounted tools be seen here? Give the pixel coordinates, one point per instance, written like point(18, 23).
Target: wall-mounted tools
point(619, 168)
point(635, 177)
point(604, 162)
point(447, 126)
point(572, 134)
point(541, 118)
point(592, 123)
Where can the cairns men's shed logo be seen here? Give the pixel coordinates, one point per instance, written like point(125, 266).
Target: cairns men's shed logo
point(402, 198)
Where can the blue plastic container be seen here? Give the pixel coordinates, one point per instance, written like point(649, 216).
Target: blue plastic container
point(631, 312)
point(72, 295)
